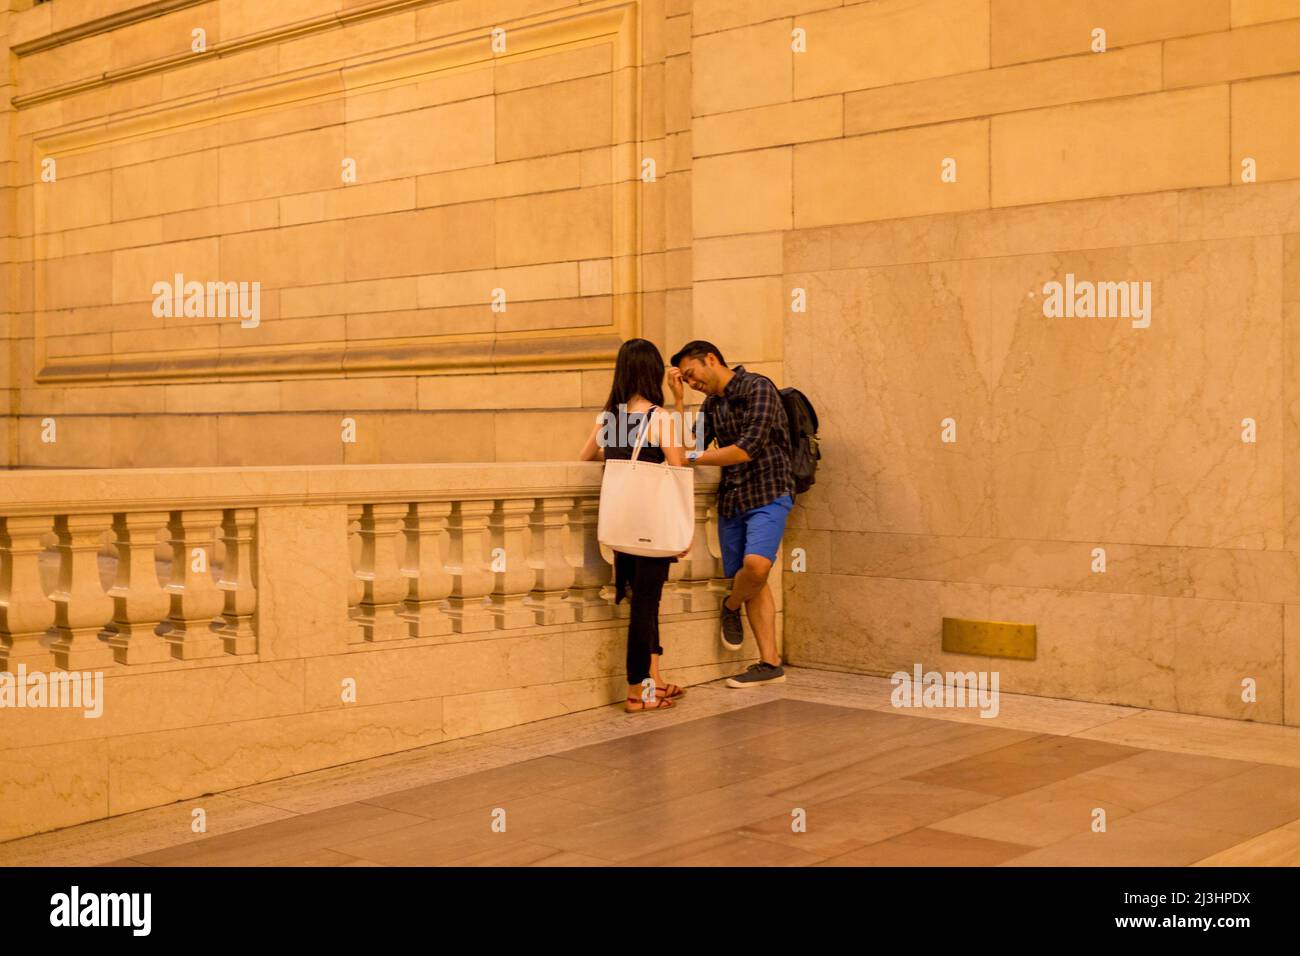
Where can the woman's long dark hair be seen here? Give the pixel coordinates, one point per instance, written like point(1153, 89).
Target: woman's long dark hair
point(638, 370)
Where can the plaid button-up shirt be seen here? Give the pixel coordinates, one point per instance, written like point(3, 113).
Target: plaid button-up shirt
point(749, 415)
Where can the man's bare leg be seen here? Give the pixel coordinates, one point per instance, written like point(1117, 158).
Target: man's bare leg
point(761, 611)
point(750, 589)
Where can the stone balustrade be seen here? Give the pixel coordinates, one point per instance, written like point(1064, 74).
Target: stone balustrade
point(60, 610)
point(451, 558)
point(455, 598)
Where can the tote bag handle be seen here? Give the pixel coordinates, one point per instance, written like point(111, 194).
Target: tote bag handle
point(645, 430)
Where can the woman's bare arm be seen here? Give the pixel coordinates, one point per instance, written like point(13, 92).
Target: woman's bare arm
point(675, 457)
point(592, 451)
point(664, 431)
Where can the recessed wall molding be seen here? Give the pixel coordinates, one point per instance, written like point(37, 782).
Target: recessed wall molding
point(541, 347)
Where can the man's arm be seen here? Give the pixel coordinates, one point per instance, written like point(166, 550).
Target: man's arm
point(677, 388)
point(709, 435)
point(760, 417)
point(727, 455)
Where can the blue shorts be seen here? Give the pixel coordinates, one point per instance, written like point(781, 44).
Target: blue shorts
point(756, 531)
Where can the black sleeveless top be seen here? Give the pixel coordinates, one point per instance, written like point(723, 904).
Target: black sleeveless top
point(635, 422)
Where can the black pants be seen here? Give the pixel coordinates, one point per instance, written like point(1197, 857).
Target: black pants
point(646, 577)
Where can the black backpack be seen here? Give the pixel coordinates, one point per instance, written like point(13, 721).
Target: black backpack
point(804, 449)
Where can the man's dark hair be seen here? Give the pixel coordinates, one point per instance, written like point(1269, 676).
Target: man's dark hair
point(697, 350)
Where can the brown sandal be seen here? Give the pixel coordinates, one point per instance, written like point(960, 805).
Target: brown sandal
point(661, 703)
point(670, 692)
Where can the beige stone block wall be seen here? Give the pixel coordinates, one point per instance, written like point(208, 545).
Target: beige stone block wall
point(925, 303)
point(380, 170)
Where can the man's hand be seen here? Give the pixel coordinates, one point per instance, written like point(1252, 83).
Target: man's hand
point(675, 384)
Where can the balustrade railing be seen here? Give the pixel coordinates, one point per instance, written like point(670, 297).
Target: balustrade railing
point(435, 568)
point(98, 596)
point(106, 569)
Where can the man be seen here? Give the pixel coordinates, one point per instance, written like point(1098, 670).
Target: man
point(743, 412)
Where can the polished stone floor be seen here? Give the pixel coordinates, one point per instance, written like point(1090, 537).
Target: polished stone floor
point(821, 771)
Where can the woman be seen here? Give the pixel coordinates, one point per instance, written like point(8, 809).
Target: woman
point(632, 406)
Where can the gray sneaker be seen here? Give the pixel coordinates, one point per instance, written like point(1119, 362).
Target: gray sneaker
point(733, 632)
point(756, 674)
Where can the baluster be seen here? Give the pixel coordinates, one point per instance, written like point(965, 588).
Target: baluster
point(429, 583)
point(25, 609)
point(511, 585)
point(699, 566)
point(195, 599)
point(81, 606)
point(468, 564)
point(673, 600)
point(139, 601)
point(238, 581)
point(547, 556)
point(356, 588)
point(385, 585)
point(719, 584)
point(592, 572)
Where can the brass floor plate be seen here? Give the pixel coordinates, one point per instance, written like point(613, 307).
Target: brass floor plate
point(990, 638)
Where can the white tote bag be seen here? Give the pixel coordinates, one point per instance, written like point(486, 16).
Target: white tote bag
point(646, 508)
